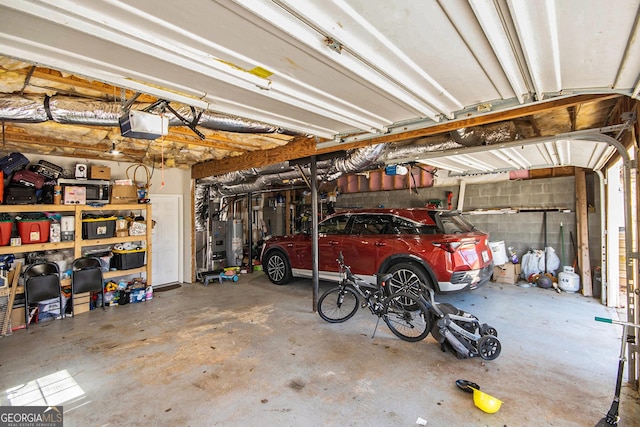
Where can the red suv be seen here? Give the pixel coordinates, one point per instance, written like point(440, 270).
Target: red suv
point(421, 247)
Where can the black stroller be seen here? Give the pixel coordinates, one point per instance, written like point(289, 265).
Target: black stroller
point(461, 332)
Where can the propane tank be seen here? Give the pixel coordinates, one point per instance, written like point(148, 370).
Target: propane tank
point(568, 280)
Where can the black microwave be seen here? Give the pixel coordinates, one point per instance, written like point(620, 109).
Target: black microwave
point(82, 191)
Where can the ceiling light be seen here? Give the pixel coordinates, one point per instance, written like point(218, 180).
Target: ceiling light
point(114, 150)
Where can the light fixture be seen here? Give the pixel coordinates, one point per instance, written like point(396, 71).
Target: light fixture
point(114, 150)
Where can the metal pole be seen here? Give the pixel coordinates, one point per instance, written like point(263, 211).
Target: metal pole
point(314, 233)
point(250, 236)
point(631, 255)
point(603, 239)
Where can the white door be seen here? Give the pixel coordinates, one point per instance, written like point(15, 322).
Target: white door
point(166, 238)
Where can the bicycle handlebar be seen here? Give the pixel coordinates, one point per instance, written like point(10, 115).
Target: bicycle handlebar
point(617, 322)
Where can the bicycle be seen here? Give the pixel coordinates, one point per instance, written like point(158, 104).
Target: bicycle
point(405, 314)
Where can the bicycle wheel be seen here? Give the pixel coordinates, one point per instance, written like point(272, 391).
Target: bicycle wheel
point(338, 304)
point(407, 316)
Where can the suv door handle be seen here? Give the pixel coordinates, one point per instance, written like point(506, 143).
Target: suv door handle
point(334, 242)
point(380, 243)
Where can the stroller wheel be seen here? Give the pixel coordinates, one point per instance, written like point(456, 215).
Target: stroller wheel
point(489, 347)
point(488, 330)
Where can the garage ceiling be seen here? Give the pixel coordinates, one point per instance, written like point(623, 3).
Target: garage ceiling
point(277, 80)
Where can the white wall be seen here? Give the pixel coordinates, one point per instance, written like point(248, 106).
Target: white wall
point(176, 181)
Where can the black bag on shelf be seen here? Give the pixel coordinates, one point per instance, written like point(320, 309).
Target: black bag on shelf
point(13, 162)
point(19, 195)
point(47, 169)
point(28, 178)
point(45, 194)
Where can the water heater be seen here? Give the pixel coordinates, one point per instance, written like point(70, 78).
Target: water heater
point(234, 242)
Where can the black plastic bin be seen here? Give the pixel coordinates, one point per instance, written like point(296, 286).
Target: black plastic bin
point(98, 228)
point(127, 259)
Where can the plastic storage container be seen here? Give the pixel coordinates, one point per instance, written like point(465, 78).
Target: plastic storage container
point(5, 231)
point(127, 259)
point(499, 252)
point(98, 228)
point(33, 230)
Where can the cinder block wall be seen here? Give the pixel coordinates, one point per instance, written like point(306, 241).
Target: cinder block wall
point(523, 230)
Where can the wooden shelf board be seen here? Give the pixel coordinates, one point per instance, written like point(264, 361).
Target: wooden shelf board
point(36, 208)
point(118, 273)
point(111, 240)
point(34, 247)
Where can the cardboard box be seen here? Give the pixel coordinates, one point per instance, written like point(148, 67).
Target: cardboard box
point(81, 303)
point(100, 172)
point(507, 273)
point(81, 308)
point(17, 318)
point(125, 194)
point(75, 195)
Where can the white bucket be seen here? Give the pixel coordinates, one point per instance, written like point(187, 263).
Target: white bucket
point(499, 252)
point(568, 281)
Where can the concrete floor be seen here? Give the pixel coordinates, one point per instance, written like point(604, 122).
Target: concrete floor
point(252, 353)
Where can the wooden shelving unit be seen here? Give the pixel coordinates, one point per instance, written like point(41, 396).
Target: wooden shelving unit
point(78, 244)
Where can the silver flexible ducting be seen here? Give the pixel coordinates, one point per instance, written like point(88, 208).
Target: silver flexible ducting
point(22, 109)
point(362, 159)
point(75, 110)
point(359, 160)
point(201, 207)
point(484, 135)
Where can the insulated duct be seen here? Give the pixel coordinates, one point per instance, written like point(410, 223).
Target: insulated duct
point(201, 207)
point(82, 111)
point(485, 135)
point(359, 160)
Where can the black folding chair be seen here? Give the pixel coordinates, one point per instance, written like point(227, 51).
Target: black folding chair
point(86, 276)
point(41, 282)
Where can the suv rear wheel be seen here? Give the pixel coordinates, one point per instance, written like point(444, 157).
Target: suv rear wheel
point(276, 265)
point(407, 277)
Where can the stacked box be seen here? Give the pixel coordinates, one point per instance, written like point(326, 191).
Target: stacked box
point(507, 273)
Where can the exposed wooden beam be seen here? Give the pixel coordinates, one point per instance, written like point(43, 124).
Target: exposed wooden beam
point(573, 115)
point(584, 262)
point(213, 140)
point(111, 92)
point(300, 147)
